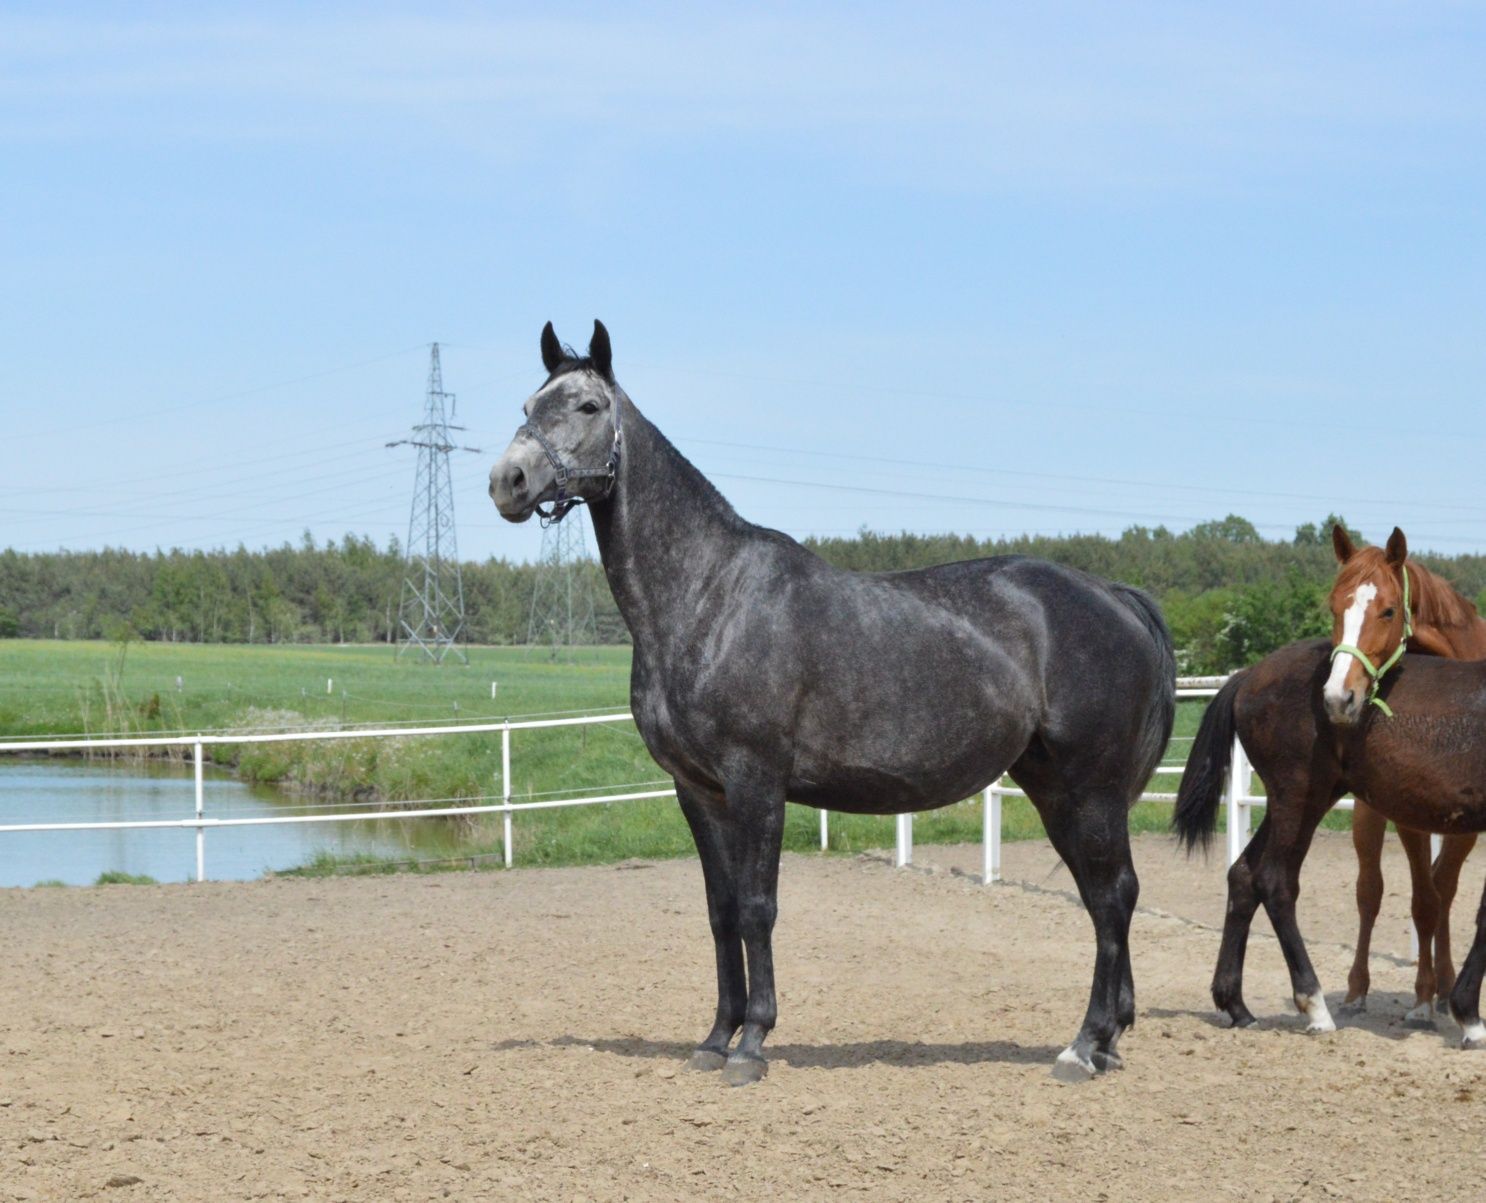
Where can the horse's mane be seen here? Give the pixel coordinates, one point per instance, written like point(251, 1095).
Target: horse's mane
point(1439, 604)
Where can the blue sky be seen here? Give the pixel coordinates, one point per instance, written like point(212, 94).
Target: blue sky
point(1073, 266)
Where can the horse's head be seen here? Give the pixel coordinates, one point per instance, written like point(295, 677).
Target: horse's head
point(1369, 613)
point(567, 452)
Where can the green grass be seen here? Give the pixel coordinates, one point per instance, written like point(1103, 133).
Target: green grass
point(117, 877)
point(65, 687)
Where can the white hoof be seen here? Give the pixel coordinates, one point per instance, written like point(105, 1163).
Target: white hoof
point(1071, 1067)
point(1313, 1007)
point(1473, 1035)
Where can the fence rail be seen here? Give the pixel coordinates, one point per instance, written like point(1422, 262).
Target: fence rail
point(1239, 797)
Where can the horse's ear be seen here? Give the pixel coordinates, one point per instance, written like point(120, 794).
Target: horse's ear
point(1398, 547)
point(552, 354)
point(1342, 543)
point(600, 351)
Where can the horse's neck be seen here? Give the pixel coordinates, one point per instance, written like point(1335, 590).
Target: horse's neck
point(661, 535)
point(1445, 622)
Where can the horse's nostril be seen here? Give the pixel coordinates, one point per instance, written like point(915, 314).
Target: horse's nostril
point(518, 479)
point(1350, 696)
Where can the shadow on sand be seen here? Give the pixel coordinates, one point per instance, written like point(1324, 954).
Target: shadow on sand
point(821, 1056)
point(1384, 1017)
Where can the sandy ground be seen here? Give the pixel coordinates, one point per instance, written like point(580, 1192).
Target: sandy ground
point(520, 1035)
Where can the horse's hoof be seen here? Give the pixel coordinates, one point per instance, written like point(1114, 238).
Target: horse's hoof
point(1105, 1060)
point(1351, 1010)
point(1420, 1019)
point(1319, 1027)
point(744, 1070)
point(1072, 1066)
point(1241, 1017)
point(705, 1060)
point(1474, 1036)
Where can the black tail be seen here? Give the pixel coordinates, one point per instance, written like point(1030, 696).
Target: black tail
point(1201, 789)
point(1156, 732)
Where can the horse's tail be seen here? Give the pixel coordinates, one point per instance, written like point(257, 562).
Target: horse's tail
point(1156, 730)
point(1197, 798)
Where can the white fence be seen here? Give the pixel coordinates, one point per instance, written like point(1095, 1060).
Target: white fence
point(202, 822)
point(1240, 798)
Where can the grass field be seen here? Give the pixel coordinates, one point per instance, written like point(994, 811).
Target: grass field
point(49, 687)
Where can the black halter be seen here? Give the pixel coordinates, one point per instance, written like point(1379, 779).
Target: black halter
point(562, 503)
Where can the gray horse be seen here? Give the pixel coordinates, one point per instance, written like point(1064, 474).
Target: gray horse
point(763, 673)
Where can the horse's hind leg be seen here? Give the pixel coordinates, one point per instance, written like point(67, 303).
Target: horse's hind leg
point(1093, 838)
point(1426, 911)
point(1368, 829)
point(1465, 997)
point(1453, 852)
point(1277, 879)
point(710, 825)
point(1243, 901)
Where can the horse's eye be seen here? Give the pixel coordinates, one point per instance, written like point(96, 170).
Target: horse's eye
point(1388, 613)
point(589, 407)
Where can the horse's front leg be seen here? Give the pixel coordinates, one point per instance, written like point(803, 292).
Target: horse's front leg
point(756, 804)
point(711, 828)
point(1368, 829)
point(1426, 912)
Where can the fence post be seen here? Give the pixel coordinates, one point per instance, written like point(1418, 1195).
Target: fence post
point(1238, 809)
point(200, 809)
point(990, 834)
point(903, 852)
point(825, 834)
point(505, 790)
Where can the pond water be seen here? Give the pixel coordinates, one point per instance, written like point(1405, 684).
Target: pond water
point(62, 791)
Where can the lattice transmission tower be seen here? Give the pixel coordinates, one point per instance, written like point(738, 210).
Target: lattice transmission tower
point(431, 614)
point(562, 609)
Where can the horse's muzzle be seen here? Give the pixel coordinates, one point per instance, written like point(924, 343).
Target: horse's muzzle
point(510, 489)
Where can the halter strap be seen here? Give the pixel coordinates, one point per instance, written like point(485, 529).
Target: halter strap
point(562, 503)
point(1376, 671)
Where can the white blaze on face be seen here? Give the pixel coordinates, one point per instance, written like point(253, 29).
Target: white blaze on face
point(1336, 683)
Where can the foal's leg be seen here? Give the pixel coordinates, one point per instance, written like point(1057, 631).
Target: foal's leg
point(1243, 901)
point(1426, 911)
point(1278, 881)
point(1368, 830)
point(710, 825)
point(1092, 836)
point(1465, 998)
point(758, 805)
point(1453, 852)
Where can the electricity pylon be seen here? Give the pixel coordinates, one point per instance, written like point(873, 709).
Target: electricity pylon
point(431, 614)
point(562, 597)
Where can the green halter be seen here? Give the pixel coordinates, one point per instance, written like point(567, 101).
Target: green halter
point(1376, 672)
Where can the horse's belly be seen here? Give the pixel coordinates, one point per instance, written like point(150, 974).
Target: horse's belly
point(905, 770)
point(1425, 771)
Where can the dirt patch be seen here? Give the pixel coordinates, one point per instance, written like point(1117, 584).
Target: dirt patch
point(520, 1035)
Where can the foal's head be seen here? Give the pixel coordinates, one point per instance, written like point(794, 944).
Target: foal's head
point(1368, 611)
point(568, 449)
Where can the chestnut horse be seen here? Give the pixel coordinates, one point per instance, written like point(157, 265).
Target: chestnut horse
point(1377, 612)
point(1423, 768)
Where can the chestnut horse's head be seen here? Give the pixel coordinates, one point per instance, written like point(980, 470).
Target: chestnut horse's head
point(1370, 622)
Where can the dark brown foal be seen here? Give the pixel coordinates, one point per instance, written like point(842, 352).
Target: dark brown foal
point(1422, 768)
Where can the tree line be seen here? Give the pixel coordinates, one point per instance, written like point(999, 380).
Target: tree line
point(1229, 594)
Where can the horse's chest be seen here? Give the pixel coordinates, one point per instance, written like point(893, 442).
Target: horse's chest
point(672, 724)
